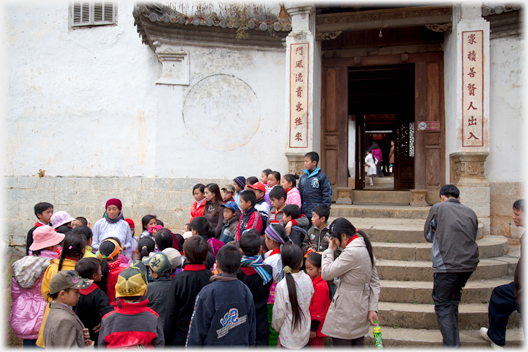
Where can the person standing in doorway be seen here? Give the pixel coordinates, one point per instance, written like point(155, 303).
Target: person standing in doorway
point(452, 228)
point(391, 158)
point(376, 151)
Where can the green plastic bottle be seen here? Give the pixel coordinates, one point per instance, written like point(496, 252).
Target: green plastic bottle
point(376, 331)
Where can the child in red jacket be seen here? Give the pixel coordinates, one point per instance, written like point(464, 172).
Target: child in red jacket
point(320, 300)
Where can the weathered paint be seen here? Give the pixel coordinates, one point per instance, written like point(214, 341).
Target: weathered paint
point(83, 102)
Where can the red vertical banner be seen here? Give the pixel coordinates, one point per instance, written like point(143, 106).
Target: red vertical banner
point(473, 89)
point(299, 71)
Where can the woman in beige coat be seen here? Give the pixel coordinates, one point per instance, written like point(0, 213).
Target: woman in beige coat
point(355, 303)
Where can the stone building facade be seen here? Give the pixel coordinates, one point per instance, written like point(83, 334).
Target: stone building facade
point(105, 113)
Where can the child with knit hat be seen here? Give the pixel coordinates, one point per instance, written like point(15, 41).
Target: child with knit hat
point(240, 184)
point(132, 323)
point(113, 225)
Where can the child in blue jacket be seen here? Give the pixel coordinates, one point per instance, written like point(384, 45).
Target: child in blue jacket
point(224, 312)
point(314, 185)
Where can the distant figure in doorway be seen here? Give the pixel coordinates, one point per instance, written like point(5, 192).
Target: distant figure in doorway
point(391, 157)
point(385, 149)
point(376, 151)
point(452, 228)
point(371, 162)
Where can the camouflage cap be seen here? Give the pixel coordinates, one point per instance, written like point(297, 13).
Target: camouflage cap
point(65, 279)
point(132, 281)
point(159, 263)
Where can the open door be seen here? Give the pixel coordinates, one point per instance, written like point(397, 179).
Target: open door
point(404, 156)
point(429, 121)
point(360, 151)
point(334, 143)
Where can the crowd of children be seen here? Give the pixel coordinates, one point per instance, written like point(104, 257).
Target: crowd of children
point(245, 271)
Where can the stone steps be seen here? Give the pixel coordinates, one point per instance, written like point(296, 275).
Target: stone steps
point(489, 247)
point(478, 291)
point(401, 270)
point(381, 197)
point(417, 316)
point(394, 230)
point(433, 338)
point(406, 309)
point(379, 211)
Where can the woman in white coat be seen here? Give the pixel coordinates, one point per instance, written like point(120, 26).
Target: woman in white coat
point(355, 303)
point(371, 162)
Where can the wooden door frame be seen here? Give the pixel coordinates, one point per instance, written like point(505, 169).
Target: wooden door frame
point(420, 60)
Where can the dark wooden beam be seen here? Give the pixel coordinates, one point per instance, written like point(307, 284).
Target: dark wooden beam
point(386, 18)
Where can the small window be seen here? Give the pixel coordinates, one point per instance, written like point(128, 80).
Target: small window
point(92, 13)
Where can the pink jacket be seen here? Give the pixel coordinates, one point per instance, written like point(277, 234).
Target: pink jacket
point(28, 306)
point(294, 197)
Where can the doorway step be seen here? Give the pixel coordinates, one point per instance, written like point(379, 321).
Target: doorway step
point(380, 197)
point(385, 183)
point(406, 310)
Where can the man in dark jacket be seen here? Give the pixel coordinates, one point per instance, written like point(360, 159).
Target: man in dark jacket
point(505, 299)
point(183, 291)
point(224, 313)
point(158, 290)
point(452, 228)
point(258, 278)
point(314, 186)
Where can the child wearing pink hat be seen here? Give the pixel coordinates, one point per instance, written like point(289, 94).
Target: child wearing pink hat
point(113, 224)
point(28, 305)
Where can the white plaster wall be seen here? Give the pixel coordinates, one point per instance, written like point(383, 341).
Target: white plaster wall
point(79, 102)
point(83, 102)
point(507, 120)
point(181, 154)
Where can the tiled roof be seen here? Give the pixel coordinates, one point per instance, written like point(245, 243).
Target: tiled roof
point(262, 22)
point(498, 9)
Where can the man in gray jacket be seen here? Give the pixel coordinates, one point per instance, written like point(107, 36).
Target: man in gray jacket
point(452, 228)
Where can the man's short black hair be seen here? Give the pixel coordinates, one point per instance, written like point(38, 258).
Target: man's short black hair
point(292, 210)
point(313, 157)
point(248, 196)
point(42, 207)
point(228, 258)
point(322, 210)
point(278, 192)
point(519, 205)
point(85, 231)
point(83, 220)
point(450, 191)
point(201, 225)
point(250, 242)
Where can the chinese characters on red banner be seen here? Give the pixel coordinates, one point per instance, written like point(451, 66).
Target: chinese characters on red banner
point(472, 89)
point(299, 65)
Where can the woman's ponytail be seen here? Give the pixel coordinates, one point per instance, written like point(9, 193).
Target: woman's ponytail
point(292, 179)
point(145, 246)
point(73, 246)
point(342, 225)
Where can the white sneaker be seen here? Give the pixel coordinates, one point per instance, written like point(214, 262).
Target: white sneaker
point(484, 334)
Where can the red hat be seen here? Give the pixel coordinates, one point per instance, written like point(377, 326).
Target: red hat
point(131, 223)
point(114, 201)
point(258, 185)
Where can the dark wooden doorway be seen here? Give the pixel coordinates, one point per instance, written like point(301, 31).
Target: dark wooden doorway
point(419, 166)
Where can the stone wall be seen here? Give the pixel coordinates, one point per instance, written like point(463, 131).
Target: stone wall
point(503, 195)
point(168, 198)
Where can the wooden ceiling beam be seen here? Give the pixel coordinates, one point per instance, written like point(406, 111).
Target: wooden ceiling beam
point(386, 18)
